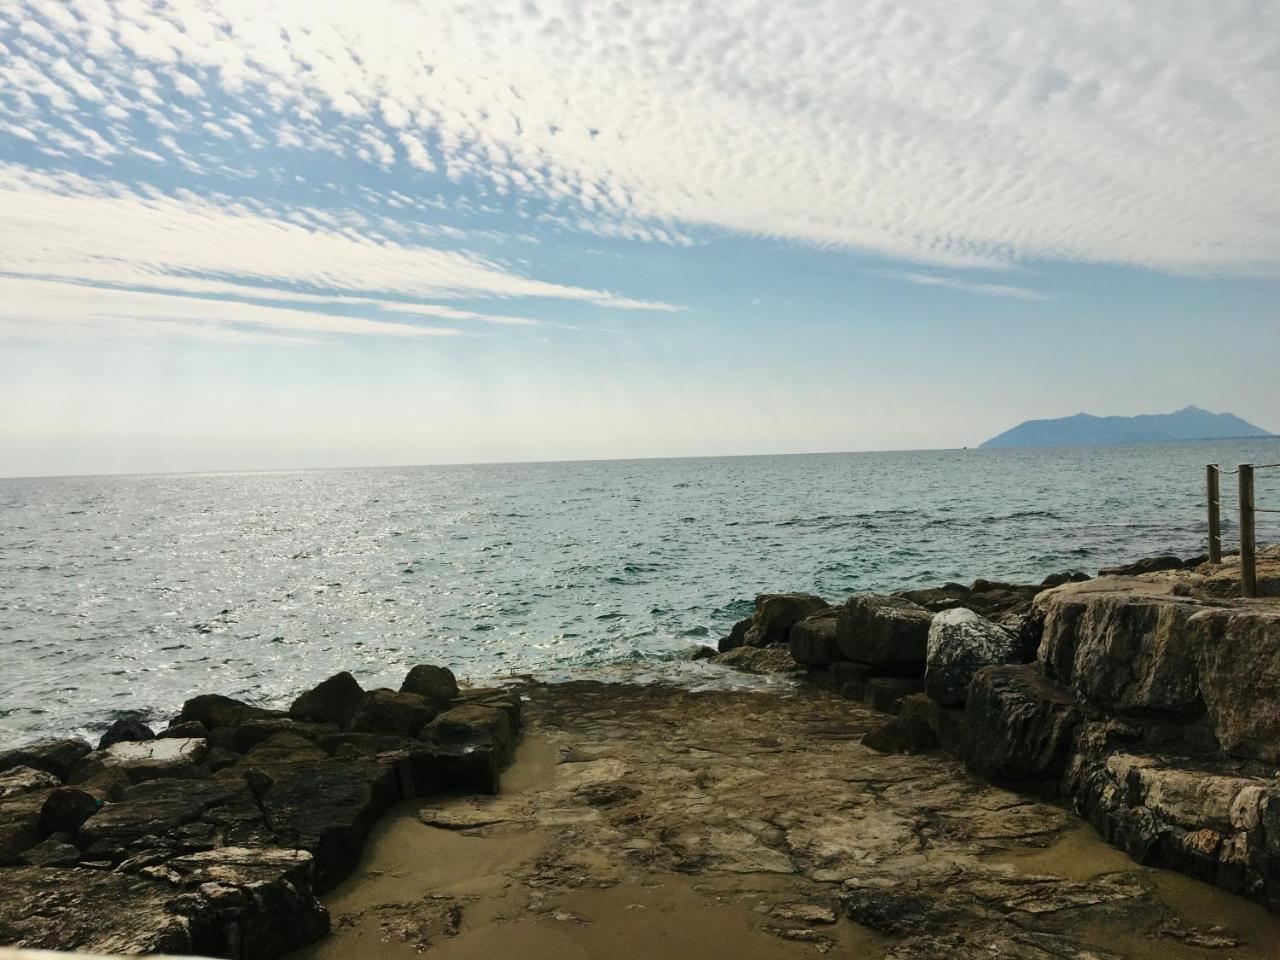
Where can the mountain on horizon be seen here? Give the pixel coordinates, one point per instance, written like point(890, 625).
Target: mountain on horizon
point(1189, 423)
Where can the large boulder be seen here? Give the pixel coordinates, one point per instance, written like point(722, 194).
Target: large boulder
point(472, 743)
point(777, 613)
point(126, 728)
point(248, 735)
point(891, 633)
point(1239, 678)
point(1124, 645)
point(141, 760)
point(66, 808)
point(813, 640)
point(20, 780)
point(436, 685)
point(386, 711)
point(759, 660)
point(1145, 565)
point(1020, 724)
point(960, 644)
point(57, 757)
point(214, 710)
point(334, 700)
point(167, 815)
point(737, 635)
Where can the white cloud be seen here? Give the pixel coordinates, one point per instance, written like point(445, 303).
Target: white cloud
point(976, 133)
point(964, 286)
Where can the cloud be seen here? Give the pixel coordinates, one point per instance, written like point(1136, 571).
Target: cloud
point(975, 134)
point(112, 253)
point(964, 286)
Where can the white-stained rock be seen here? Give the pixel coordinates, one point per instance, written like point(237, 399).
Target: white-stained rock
point(960, 644)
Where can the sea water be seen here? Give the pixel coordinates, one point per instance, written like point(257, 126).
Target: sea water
point(131, 593)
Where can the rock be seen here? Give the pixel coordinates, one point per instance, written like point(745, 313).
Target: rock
point(1069, 576)
point(225, 903)
point(761, 660)
point(775, 615)
point(413, 762)
point(472, 743)
point(214, 710)
point(334, 701)
point(960, 643)
point(185, 730)
point(1020, 724)
point(126, 729)
point(1123, 645)
point(144, 760)
point(1238, 659)
point(901, 735)
point(947, 725)
point(284, 748)
point(947, 597)
point(436, 685)
point(19, 825)
point(55, 851)
point(702, 653)
point(813, 640)
point(850, 679)
point(326, 808)
point(505, 699)
point(386, 711)
point(1146, 565)
point(66, 808)
point(886, 693)
point(57, 757)
point(248, 735)
point(888, 632)
point(737, 635)
point(19, 780)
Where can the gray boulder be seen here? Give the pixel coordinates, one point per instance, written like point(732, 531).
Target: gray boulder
point(436, 685)
point(166, 757)
point(386, 711)
point(126, 728)
point(57, 757)
point(215, 710)
point(777, 613)
point(737, 635)
point(1020, 724)
point(334, 700)
point(813, 640)
point(960, 643)
point(891, 633)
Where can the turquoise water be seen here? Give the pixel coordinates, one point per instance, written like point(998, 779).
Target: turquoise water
point(130, 593)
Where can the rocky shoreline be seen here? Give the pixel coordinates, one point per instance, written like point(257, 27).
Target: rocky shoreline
point(1147, 700)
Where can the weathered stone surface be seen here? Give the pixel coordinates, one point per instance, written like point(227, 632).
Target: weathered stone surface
point(471, 743)
point(505, 699)
point(20, 780)
point(165, 815)
point(901, 735)
point(849, 679)
point(946, 597)
point(1067, 576)
point(248, 735)
point(776, 614)
point(890, 633)
point(214, 710)
point(1165, 561)
point(1020, 724)
point(55, 851)
point(1239, 678)
point(126, 728)
point(66, 808)
point(1123, 645)
point(960, 643)
point(386, 711)
point(886, 693)
point(947, 725)
point(95, 910)
point(185, 730)
point(736, 637)
point(813, 640)
point(19, 825)
point(761, 660)
point(144, 760)
point(334, 700)
point(436, 685)
point(57, 757)
point(284, 747)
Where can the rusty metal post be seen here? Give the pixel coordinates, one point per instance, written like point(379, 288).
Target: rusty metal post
point(1215, 524)
point(1248, 563)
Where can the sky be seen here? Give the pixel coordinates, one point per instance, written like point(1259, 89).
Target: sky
point(255, 234)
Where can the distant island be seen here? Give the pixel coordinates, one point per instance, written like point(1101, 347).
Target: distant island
point(1189, 423)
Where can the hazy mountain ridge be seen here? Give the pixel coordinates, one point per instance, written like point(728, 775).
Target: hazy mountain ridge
point(1189, 423)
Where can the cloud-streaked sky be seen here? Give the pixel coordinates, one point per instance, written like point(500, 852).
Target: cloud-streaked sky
point(252, 234)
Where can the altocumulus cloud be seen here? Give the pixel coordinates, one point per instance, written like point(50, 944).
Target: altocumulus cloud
point(964, 135)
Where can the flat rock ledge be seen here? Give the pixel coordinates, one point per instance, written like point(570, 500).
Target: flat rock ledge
point(1147, 699)
point(215, 836)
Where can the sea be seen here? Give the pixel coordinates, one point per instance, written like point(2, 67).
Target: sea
point(123, 594)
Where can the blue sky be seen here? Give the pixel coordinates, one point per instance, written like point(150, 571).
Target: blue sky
point(271, 234)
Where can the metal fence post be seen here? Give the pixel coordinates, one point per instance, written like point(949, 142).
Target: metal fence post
point(1215, 525)
point(1248, 567)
